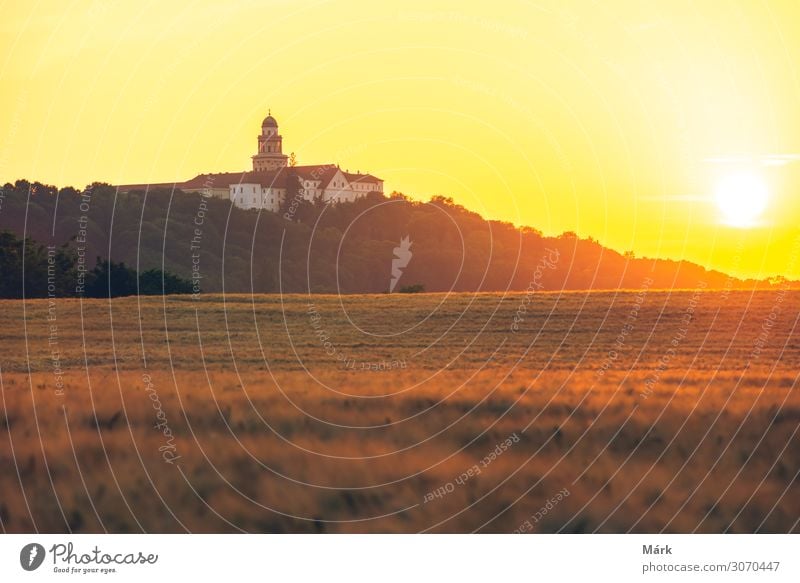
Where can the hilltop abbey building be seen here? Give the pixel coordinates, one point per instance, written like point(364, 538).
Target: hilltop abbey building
point(273, 180)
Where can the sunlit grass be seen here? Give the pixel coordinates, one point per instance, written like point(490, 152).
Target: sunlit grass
point(295, 440)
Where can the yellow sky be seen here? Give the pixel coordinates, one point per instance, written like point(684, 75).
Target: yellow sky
point(613, 119)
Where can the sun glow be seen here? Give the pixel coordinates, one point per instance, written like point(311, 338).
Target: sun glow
point(741, 199)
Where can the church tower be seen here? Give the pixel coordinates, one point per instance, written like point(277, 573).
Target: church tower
point(270, 148)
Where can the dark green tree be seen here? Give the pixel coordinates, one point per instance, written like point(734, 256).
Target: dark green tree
point(110, 280)
point(29, 269)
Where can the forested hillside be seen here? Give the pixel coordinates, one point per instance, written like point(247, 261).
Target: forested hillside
point(348, 248)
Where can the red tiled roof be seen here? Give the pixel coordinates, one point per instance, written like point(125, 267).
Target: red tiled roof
point(218, 180)
point(270, 178)
point(354, 177)
point(314, 172)
point(279, 178)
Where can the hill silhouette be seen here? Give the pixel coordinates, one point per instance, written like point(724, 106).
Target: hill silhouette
point(345, 248)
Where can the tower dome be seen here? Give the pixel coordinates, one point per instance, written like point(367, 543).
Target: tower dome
point(270, 147)
point(269, 122)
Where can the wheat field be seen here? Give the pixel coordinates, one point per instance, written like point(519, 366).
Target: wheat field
point(632, 411)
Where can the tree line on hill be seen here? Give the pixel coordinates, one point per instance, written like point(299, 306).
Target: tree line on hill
point(175, 240)
point(32, 270)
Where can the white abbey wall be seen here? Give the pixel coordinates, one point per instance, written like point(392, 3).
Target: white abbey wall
point(255, 196)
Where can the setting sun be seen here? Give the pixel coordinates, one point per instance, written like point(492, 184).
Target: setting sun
point(741, 199)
